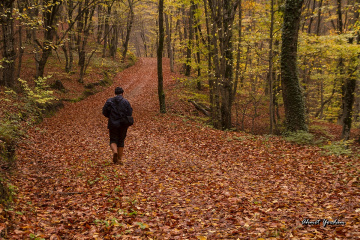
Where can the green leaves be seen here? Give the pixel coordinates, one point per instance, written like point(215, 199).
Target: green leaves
point(300, 137)
point(338, 148)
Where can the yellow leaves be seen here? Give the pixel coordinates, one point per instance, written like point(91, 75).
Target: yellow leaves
point(201, 237)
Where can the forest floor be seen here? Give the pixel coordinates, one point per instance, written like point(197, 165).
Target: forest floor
point(181, 179)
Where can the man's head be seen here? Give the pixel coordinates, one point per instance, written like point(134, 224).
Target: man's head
point(119, 90)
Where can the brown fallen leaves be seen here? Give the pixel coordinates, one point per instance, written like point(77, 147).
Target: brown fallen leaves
point(181, 179)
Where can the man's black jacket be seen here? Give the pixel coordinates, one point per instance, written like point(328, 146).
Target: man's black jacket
point(116, 108)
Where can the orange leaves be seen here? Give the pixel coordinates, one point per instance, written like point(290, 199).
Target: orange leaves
point(180, 179)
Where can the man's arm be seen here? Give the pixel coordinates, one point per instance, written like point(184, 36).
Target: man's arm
point(129, 108)
point(106, 109)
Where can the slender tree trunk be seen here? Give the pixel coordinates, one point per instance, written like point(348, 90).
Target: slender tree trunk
point(323, 103)
point(340, 20)
point(107, 29)
point(319, 19)
point(209, 57)
point(311, 17)
point(270, 74)
point(50, 17)
point(216, 114)
point(306, 10)
point(292, 94)
point(168, 33)
point(100, 24)
point(88, 19)
point(227, 84)
point(128, 28)
point(159, 58)
point(341, 64)
point(197, 43)
point(238, 54)
point(348, 99)
point(198, 59)
point(31, 11)
point(185, 40)
point(67, 47)
point(190, 39)
point(21, 6)
point(143, 37)
point(114, 40)
point(9, 54)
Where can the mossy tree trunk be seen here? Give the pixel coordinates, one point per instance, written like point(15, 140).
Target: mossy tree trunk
point(348, 99)
point(349, 85)
point(292, 94)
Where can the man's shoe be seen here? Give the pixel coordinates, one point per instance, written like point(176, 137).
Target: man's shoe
point(115, 158)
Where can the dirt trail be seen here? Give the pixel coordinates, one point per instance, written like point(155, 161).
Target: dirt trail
point(181, 180)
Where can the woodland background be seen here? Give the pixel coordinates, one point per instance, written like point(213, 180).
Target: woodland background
point(78, 33)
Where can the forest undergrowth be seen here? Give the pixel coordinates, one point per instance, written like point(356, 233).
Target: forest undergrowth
point(181, 179)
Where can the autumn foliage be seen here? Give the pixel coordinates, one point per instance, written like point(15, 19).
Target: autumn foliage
point(181, 180)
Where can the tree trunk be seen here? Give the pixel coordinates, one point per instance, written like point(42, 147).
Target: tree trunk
point(66, 46)
point(348, 99)
point(319, 19)
point(114, 40)
point(311, 17)
point(292, 94)
point(168, 33)
point(184, 38)
point(143, 37)
point(9, 54)
point(238, 54)
point(189, 40)
point(270, 74)
point(128, 28)
point(51, 8)
point(21, 6)
point(100, 24)
point(159, 58)
point(349, 86)
point(227, 80)
point(222, 16)
point(209, 57)
point(197, 43)
point(88, 19)
point(106, 30)
point(339, 13)
point(71, 44)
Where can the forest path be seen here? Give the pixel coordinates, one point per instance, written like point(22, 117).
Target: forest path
point(181, 179)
